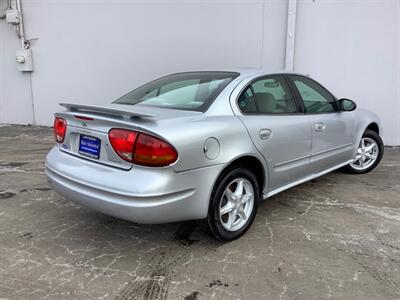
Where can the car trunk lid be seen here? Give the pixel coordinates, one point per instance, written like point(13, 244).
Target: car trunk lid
point(88, 127)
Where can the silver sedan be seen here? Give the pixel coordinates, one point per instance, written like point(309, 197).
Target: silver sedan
point(207, 146)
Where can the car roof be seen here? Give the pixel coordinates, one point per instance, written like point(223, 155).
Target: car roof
point(246, 72)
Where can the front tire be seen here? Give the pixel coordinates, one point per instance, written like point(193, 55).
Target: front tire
point(233, 204)
point(369, 154)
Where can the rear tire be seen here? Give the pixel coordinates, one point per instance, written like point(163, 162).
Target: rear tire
point(369, 154)
point(233, 204)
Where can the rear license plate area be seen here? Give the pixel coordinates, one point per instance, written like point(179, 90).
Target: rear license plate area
point(89, 146)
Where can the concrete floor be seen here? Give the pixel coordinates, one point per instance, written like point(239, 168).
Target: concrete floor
point(335, 237)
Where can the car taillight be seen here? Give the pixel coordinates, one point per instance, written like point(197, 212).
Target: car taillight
point(59, 128)
point(123, 141)
point(153, 152)
point(142, 149)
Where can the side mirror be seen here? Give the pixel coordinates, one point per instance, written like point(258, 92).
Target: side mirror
point(347, 104)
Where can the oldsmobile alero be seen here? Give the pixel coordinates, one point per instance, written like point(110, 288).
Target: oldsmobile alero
point(207, 146)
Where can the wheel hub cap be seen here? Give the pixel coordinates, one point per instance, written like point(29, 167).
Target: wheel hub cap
point(366, 155)
point(236, 204)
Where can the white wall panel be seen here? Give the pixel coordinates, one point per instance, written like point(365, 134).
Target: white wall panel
point(274, 34)
point(15, 92)
point(353, 48)
point(95, 50)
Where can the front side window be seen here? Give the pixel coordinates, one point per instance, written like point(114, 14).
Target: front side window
point(190, 91)
point(316, 99)
point(269, 95)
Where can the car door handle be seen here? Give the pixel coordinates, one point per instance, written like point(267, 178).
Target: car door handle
point(319, 126)
point(265, 133)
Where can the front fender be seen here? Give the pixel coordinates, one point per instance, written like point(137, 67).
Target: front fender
point(363, 118)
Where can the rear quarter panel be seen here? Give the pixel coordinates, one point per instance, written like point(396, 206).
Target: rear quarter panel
point(189, 135)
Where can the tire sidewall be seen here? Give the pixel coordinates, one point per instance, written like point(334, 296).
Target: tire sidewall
point(213, 215)
point(372, 135)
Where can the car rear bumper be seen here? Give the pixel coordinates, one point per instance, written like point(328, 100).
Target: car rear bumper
point(143, 195)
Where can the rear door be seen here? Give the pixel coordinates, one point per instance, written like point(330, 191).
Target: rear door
point(332, 130)
point(278, 128)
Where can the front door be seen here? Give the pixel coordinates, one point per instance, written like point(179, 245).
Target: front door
point(332, 130)
point(278, 128)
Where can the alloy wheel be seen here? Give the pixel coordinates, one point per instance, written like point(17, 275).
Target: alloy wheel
point(366, 155)
point(236, 204)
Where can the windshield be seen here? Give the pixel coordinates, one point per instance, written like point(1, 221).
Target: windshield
point(190, 91)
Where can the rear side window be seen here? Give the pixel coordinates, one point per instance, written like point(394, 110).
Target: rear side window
point(268, 95)
point(189, 91)
point(316, 99)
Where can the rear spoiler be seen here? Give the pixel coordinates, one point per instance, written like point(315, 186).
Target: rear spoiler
point(109, 110)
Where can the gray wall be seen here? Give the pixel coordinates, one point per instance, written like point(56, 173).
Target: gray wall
point(354, 48)
point(94, 51)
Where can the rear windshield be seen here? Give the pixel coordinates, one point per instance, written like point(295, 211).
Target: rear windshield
point(189, 91)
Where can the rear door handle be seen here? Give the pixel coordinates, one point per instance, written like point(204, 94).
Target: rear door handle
point(265, 133)
point(319, 126)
